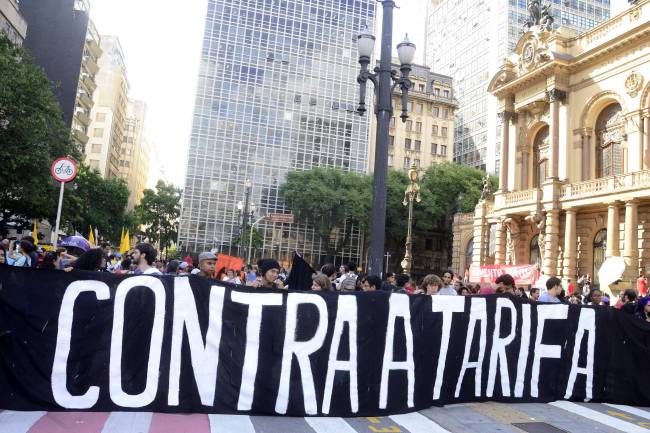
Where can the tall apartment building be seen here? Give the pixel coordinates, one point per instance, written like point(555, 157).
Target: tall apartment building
point(467, 40)
point(65, 44)
point(428, 136)
point(135, 152)
point(12, 23)
point(277, 92)
point(108, 115)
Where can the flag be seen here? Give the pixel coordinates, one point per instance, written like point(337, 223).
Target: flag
point(35, 234)
point(91, 237)
point(125, 245)
point(301, 273)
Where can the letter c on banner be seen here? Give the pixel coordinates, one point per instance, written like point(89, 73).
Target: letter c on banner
point(59, 368)
point(147, 396)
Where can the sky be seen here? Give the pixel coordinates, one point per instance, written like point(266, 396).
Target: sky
point(162, 41)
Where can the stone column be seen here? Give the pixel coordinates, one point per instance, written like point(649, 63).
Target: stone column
point(646, 140)
point(613, 235)
point(586, 155)
point(631, 247)
point(570, 248)
point(525, 161)
point(551, 242)
point(500, 245)
point(555, 98)
point(505, 117)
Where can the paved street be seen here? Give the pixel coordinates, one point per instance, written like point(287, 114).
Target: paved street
point(471, 418)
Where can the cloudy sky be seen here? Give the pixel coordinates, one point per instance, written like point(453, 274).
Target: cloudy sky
point(162, 44)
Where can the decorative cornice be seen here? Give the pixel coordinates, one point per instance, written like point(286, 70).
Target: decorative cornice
point(556, 95)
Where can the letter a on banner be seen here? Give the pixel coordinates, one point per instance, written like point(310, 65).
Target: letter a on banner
point(399, 306)
point(544, 313)
point(586, 323)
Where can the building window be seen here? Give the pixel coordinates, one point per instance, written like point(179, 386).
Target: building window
point(418, 127)
point(444, 131)
point(392, 122)
point(390, 160)
point(407, 162)
point(100, 117)
point(469, 253)
point(96, 148)
point(297, 99)
point(407, 143)
point(418, 108)
point(391, 140)
point(409, 125)
point(98, 132)
point(434, 148)
point(421, 87)
point(434, 131)
point(94, 163)
point(418, 145)
point(600, 247)
point(540, 161)
point(446, 93)
point(445, 113)
point(436, 112)
point(428, 244)
point(609, 135)
point(436, 91)
point(443, 150)
point(417, 162)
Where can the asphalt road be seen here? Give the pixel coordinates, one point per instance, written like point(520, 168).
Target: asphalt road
point(469, 418)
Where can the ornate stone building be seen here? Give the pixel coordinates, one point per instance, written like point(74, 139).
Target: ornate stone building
point(574, 184)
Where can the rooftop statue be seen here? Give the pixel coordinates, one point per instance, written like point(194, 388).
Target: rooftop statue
point(539, 15)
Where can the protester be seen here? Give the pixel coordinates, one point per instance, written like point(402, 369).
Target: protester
point(144, 256)
point(447, 285)
point(3, 255)
point(20, 253)
point(390, 285)
point(521, 292)
point(371, 283)
point(431, 284)
point(505, 284)
point(172, 267)
point(359, 283)
point(51, 261)
point(91, 260)
point(329, 270)
point(642, 284)
point(643, 309)
point(33, 254)
point(231, 277)
point(628, 301)
point(553, 291)
point(534, 293)
point(321, 283)
point(595, 297)
point(207, 265)
point(269, 272)
point(400, 283)
point(347, 281)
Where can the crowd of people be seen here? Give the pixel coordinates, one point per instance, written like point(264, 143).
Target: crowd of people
point(143, 259)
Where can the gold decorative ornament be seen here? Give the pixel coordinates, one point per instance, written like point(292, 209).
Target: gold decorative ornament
point(633, 83)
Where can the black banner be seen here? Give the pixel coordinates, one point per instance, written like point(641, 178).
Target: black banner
point(94, 341)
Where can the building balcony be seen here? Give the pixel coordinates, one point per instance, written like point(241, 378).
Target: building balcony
point(518, 200)
point(93, 47)
point(432, 97)
point(90, 65)
point(464, 218)
point(83, 118)
point(632, 185)
point(85, 99)
point(90, 84)
point(80, 136)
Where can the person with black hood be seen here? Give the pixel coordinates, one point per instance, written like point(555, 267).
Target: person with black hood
point(400, 280)
point(628, 298)
point(270, 271)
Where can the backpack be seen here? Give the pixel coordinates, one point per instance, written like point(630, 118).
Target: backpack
point(348, 283)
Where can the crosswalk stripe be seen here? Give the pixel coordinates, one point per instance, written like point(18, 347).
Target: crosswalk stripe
point(18, 422)
point(599, 417)
point(231, 424)
point(329, 425)
point(128, 422)
point(418, 423)
point(629, 409)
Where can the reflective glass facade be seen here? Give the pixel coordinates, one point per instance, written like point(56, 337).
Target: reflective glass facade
point(277, 92)
point(483, 33)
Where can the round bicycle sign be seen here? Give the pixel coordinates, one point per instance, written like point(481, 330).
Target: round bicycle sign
point(64, 170)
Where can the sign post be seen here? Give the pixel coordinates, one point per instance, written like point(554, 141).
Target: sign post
point(64, 170)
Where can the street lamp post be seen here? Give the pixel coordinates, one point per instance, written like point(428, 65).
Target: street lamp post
point(411, 194)
point(385, 80)
point(244, 210)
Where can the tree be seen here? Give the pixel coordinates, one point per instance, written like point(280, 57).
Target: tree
point(32, 135)
point(244, 238)
point(97, 202)
point(327, 200)
point(158, 211)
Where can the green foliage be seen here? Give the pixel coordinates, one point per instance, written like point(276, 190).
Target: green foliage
point(326, 199)
point(158, 212)
point(97, 202)
point(258, 238)
point(32, 135)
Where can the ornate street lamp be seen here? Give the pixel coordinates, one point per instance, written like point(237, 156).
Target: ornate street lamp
point(411, 194)
point(385, 80)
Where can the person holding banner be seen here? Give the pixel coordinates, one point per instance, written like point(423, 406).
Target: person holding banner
point(431, 284)
point(270, 271)
point(144, 255)
point(553, 290)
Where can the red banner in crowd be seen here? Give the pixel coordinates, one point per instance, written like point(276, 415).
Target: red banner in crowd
point(229, 262)
point(525, 274)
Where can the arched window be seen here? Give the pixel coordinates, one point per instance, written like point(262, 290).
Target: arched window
point(535, 256)
point(469, 253)
point(540, 156)
point(600, 246)
point(609, 135)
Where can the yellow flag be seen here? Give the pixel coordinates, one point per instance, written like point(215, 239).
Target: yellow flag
point(35, 234)
point(91, 237)
point(125, 244)
point(121, 237)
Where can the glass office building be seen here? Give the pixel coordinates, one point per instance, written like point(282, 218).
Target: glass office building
point(484, 33)
point(277, 92)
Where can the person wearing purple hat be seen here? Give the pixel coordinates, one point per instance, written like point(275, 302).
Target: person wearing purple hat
point(643, 309)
